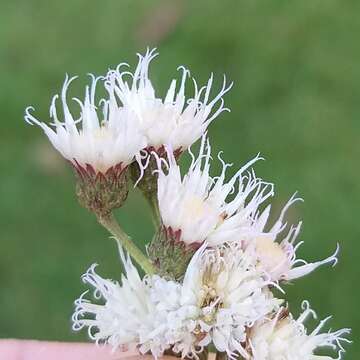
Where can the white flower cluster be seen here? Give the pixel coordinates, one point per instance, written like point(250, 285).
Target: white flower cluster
point(195, 207)
point(131, 118)
point(226, 294)
point(225, 297)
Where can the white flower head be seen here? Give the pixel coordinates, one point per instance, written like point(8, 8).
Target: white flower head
point(224, 294)
point(134, 313)
point(286, 338)
point(278, 257)
point(174, 120)
point(107, 139)
point(196, 206)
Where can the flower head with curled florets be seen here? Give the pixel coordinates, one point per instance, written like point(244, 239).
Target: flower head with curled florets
point(286, 338)
point(195, 206)
point(224, 294)
point(278, 258)
point(130, 314)
point(99, 144)
point(174, 120)
point(105, 140)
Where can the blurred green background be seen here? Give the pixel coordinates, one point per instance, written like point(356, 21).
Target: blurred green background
point(296, 72)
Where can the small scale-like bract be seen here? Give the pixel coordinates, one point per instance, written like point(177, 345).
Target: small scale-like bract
point(196, 205)
point(286, 338)
point(225, 294)
point(278, 258)
point(106, 139)
point(174, 120)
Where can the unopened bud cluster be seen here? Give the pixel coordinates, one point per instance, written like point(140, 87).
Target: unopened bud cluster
point(216, 263)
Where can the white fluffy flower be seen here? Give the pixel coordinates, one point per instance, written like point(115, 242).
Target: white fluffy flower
point(224, 295)
point(173, 120)
point(196, 206)
point(134, 313)
point(286, 338)
point(110, 140)
point(278, 258)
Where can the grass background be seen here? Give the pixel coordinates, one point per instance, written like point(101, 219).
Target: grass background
point(296, 73)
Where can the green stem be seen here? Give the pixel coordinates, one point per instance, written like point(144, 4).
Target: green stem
point(110, 223)
point(153, 202)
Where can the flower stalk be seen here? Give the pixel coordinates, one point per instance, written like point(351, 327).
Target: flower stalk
point(147, 184)
point(109, 222)
point(153, 202)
